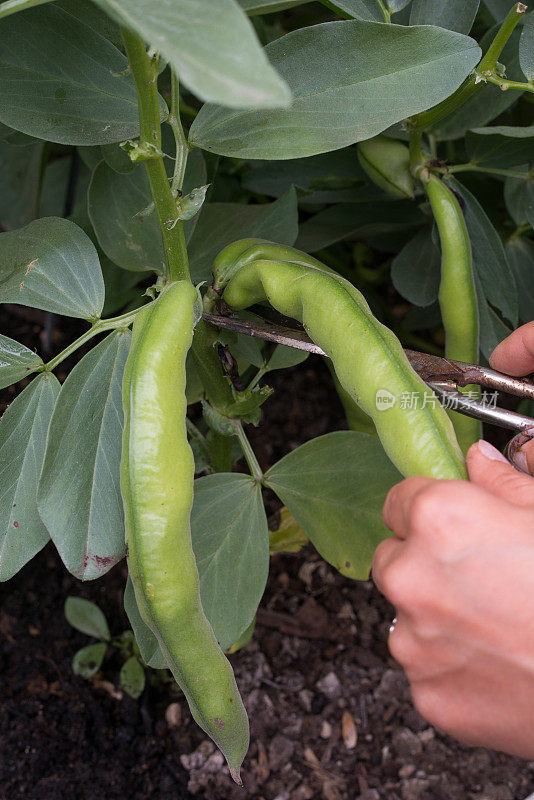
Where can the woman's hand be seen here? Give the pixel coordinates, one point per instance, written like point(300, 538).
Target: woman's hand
point(460, 572)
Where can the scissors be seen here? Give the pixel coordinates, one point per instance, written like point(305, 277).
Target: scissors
point(444, 376)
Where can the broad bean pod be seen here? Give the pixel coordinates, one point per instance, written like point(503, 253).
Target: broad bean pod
point(157, 472)
point(457, 296)
point(367, 357)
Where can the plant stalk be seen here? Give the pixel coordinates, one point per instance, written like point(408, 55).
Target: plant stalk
point(472, 83)
point(248, 452)
point(145, 76)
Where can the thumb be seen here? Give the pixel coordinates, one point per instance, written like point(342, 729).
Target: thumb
point(489, 469)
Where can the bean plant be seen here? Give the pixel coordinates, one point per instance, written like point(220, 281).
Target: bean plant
point(378, 149)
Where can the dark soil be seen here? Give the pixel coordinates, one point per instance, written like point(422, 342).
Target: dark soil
point(331, 715)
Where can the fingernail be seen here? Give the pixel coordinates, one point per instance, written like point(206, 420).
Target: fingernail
point(491, 452)
point(520, 459)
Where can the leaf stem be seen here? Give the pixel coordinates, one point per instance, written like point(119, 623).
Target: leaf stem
point(182, 147)
point(248, 452)
point(505, 84)
point(101, 326)
point(145, 75)
point(385, 12)
point(472, 167)
point(12, 6)
point(472, 83)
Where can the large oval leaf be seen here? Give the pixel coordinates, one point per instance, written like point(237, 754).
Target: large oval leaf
point(52, 264)
point(520, 253)
point(22, 446)
point(416, 270)
point(119, 209)
point(79, 492)
point(231, 543)
point(121, 212)
point(489, 257)
point(222, 223)
point(20, 170)
point(526, 48)
point(335, 487)
point(368, 10)
point(364, 220)
point(350, 81)
point(456, 15)
point(211, 45)
point(63, 82)
point(500, 146)
point(16, 361)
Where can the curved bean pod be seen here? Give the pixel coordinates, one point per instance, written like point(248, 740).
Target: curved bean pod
point(368, 358)
point(157, 471)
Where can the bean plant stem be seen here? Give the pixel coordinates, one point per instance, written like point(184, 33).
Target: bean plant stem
point(207, 362)
point(426, 119)
point(144, 72)
point(182, 147)
point(248, 452)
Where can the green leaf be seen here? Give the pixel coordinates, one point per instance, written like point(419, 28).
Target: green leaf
point(117, 158)
point(335, 487)
point(397, 5)
point(220, 224)
point(132, 677)
point(79, 492)
point(492, 328)
point(367, 10)
point(361, 221)
point(284, 357)
point(90, 15)
point(456, 15)
point(20, 169)
point(211, 45)
point(231, 543)
point(520, 254)
point(325, 178)
point(340, 99)
point(62, 81)
point(121, 287)
point(51, 264)
point(416, 270)
point(489, 258)
point(490, 100)
point(119, 209)
point(88, 660)
point(22, 446)
point(87, 617)
point(16, 361)
point(253, 7)
point(146, 641)
point(519, 199)
point(498, 8)
point(526, 48)
point(501, 146)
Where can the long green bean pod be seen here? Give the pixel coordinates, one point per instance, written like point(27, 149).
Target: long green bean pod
point(368, 359)
point(457, 296)
point(157, 471)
